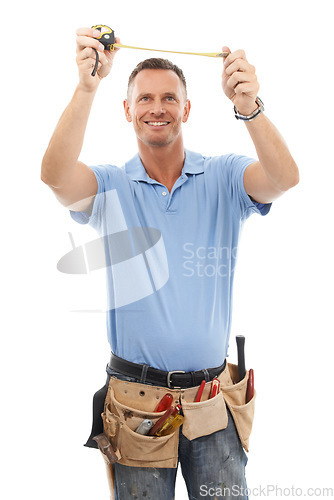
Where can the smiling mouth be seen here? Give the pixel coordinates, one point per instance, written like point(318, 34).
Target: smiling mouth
point(157, 124)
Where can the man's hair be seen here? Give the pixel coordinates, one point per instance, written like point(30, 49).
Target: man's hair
point(156, 63)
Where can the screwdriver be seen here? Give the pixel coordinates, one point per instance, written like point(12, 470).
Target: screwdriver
point(215, 384)
point(170, 425)
point(164, 403)
point(165, 427)
point(200, 392)
point(161, 421)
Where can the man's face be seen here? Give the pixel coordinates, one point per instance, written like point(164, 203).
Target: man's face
point(157, 106)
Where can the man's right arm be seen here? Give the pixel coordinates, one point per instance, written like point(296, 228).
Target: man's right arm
point(74, 183)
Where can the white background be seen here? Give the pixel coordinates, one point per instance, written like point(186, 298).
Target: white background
point(52, 359)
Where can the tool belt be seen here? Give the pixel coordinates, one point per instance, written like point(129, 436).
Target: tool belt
point(127, 404)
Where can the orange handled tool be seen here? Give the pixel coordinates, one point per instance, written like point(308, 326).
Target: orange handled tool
point(215, 384)
point(250, 385)
point(163, 419)
point(200, 392)
point(164, 403)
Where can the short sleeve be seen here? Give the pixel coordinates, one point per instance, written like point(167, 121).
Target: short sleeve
point(92, 215)
point(234, 167)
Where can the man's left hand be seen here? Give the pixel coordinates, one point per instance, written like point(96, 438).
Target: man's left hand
point(239, 81)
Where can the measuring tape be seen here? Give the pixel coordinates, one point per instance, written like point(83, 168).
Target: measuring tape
point(107, 38)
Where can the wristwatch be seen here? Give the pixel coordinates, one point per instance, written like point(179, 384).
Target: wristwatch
point(255, 113)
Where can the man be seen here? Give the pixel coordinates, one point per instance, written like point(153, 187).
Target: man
point(169, 311)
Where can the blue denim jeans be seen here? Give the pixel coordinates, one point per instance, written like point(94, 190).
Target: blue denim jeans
point(213, 467)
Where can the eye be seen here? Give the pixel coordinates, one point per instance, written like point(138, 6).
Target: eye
point(144, 98)
point(170, 98)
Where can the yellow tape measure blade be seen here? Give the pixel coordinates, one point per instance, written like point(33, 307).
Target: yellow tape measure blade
point(206, 54)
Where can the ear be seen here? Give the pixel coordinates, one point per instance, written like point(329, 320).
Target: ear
point(186, 111)
point(127, 110)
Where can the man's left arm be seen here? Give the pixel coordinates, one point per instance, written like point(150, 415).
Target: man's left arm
point(276, 170)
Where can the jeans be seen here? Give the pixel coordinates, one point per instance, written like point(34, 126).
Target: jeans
point(213, 467)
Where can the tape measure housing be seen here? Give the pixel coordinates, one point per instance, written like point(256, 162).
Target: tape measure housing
point(107, 38)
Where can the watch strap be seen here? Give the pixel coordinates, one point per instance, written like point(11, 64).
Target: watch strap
point(252, 116)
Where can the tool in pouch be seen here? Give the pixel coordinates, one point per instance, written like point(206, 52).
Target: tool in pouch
point(214, 389)
point(106, 448)
point(107, 38)
point(144, 427)
point(162, 426)
point(167, 423)
point(240, 339)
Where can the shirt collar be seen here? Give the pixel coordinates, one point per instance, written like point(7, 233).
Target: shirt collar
point(193, 164)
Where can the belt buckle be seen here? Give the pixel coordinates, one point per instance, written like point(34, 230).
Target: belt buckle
point(169, 381)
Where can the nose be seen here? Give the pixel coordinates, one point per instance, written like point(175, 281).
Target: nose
point(157, 107)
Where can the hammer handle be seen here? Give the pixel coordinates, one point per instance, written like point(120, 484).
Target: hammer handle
point(241, 356)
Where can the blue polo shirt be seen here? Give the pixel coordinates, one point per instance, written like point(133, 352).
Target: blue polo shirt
point(170, 258)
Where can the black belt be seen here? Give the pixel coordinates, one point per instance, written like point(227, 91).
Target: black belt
point(174, 379)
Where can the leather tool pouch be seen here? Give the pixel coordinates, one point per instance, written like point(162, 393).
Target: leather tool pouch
point(235, 397)
point(127, 404)
point(208, 415)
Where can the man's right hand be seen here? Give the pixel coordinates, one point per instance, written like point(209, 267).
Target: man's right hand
point(73, 182)
point(86, 56)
